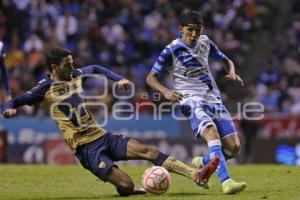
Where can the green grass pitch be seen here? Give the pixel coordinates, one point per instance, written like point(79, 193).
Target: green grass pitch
point(74, 182)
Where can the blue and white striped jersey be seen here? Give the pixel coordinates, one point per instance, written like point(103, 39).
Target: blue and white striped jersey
point(189, 69)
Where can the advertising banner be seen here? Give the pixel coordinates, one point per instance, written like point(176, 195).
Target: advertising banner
point(280, 127)
point(25, 153)
point(37, 140)
point(283, 151)
point(57, 152)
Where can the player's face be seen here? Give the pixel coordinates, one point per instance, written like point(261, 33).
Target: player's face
point(65, 68)
point(191, 33)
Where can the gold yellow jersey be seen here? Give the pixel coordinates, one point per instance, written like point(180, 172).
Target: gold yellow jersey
point(64, 102)
point(67, 108)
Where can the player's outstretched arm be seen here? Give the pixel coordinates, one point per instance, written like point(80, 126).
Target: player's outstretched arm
point(153, 82)
point(9, 109)
point(217, 55)
point(230, 69)
point(31, 97)
point(123, 83)
point(163, 61)
point(96, 69)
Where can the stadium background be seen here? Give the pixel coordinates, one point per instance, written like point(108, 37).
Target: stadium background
point(262, 37)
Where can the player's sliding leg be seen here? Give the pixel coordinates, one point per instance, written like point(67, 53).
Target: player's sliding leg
point(200, 176)
point(229, 186)
point(136, 150)
point(123, 182)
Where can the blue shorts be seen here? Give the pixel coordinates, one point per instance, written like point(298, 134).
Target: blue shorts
point(99, 156)
point(203, 114)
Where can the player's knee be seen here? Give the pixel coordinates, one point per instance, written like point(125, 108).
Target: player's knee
point(211, 133)
point(233, 150)
point(236, 148)
point(125, 187)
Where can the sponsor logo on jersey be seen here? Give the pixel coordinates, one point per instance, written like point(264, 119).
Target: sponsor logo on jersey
point(67, 89)
point(194, 72)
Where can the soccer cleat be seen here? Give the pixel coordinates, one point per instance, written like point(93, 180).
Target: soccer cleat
point(206, 171)
point(232, 187)
point(139, 191)
point(197, 162)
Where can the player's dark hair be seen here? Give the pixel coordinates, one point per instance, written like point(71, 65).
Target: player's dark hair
point(55, 56)
point(190, 17)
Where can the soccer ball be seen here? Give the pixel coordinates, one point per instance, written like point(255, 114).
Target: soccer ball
point(156, 180)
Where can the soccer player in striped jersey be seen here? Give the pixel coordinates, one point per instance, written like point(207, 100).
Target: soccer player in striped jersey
point(95, 147)
point(186, 60)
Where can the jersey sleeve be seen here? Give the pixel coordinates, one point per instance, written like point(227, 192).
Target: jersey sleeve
point(96, 69)
point(163, 61)
point(31, 97)
point(214, 51)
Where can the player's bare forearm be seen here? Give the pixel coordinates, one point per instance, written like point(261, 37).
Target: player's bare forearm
point(229, 66)
point(153, 82)
point(230, 69)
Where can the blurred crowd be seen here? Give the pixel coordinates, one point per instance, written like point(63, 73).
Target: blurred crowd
point(278, 86)
point(127, 36)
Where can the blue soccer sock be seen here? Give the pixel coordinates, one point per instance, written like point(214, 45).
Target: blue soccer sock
point(214, 149)
point(206, 158)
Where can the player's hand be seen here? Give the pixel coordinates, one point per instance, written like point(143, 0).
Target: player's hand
point(234, 77)
point(9, 113)
point(173, 95)
point(124, 84)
